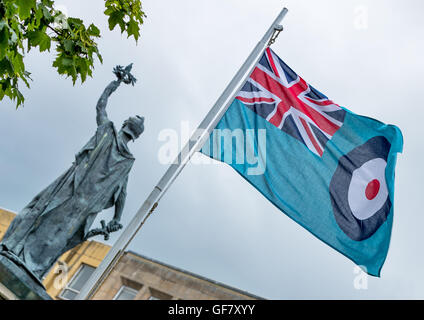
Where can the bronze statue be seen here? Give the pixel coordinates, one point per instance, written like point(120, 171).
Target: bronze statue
point(59, 217)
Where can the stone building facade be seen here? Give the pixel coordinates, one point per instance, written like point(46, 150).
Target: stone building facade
point(135, 277)
point(147, 279)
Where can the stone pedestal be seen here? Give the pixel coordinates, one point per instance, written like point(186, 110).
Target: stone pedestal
point(17, 284)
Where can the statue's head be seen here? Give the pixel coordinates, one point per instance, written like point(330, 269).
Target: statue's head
point(133, 127)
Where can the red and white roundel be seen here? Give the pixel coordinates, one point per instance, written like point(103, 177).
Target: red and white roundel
point(368, 189)
point(358, 189)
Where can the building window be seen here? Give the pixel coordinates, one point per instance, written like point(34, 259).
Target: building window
point(78, 280)
point(125, 293)
point(158, 295)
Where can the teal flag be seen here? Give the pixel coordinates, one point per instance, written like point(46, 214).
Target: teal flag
point(328, 169)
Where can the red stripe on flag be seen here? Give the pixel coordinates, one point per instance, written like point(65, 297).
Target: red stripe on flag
point(271, 61)
point(320, 103)
point(253, 100)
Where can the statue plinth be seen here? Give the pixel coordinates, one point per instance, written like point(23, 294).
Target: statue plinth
point(16, 283)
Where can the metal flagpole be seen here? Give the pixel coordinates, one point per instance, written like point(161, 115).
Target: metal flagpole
point(193, 145)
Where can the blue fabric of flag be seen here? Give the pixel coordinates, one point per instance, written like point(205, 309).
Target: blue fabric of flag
point(339, 187)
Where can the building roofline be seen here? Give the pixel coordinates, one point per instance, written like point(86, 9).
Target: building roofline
point(8, 210)
point(197, 276)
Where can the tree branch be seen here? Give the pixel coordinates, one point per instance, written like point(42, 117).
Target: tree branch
point(54, 30)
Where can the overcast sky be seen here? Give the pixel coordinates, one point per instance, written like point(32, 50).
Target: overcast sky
point(212, 222)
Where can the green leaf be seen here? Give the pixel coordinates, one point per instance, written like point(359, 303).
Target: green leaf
point(46, 13)
point(39, 38)
point(48, 3)
point(93, 31)
point(25, 7)
point(13, 36)
point(69, 45)
point(133, 29)
point(4, 41)
point(108, 11)
point(39, 15)
point(3, 23)
point(99, 56)
point(66, 65)
point(128, 14)
point(6, 67)
point(18, 96)
point(117, 17)
point(18, 64)
point(75, 23)
point(82, 69)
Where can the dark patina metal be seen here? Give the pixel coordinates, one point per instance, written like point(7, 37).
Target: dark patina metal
point(60, 217)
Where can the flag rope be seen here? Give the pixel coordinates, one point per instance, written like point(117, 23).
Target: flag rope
point(277, 31)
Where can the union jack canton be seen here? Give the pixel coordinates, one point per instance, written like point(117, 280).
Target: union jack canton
point(276, 93)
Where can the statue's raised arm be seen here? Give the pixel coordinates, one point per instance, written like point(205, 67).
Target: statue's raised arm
point(123, 75)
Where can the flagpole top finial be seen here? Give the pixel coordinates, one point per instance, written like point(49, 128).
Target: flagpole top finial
point(279, 27)
point(277, 30)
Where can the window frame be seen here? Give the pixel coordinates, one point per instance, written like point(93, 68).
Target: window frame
point(76, 274)
point(156, 294)
point(122, 288)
